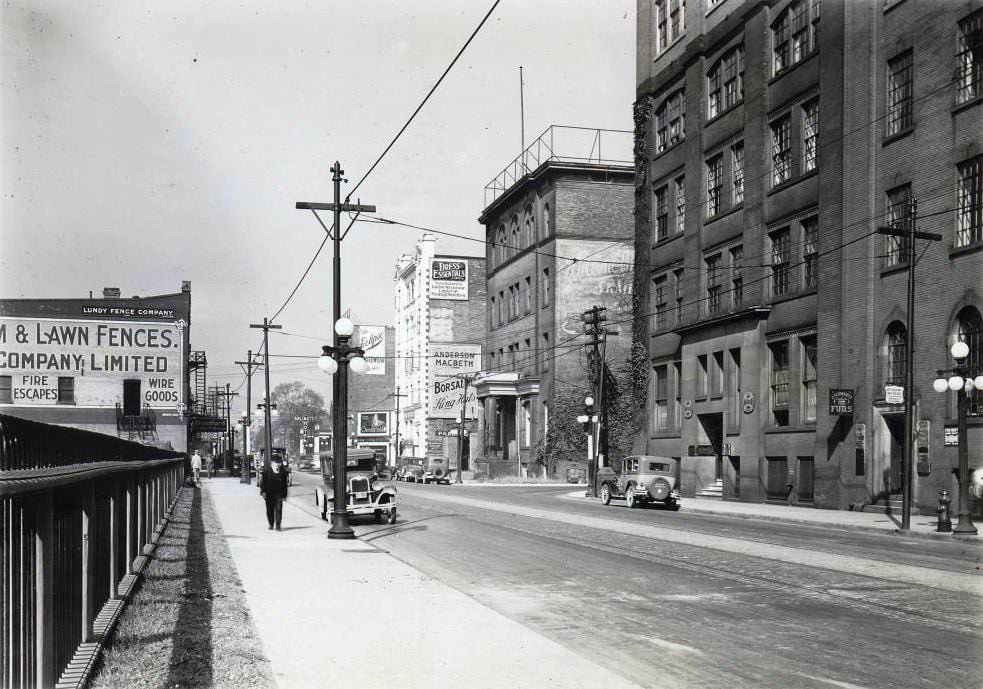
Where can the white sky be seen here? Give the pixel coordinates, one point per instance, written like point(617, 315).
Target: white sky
point(145, 143)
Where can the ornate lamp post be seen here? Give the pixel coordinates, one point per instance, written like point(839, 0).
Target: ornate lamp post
point(588, 419)
point(338, 359)
point(269, 411)
point(244, 464)
point(960, 380)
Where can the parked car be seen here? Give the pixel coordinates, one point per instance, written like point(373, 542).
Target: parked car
point(411, 470)
point(576, 474)
point(437, 471)
point(643, 479)
point(367, 494)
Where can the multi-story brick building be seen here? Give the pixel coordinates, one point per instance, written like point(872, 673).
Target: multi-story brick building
point(771, 143)
point(559, 232)
point(371, 394)
point(440, 318)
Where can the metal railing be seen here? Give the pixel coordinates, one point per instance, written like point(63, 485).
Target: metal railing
point(78, 513)
point(563, 144)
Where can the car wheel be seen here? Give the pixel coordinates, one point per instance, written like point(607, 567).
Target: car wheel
point(630, 497)
point(605, 494)
point(392, 515)
point(674, 505)
point(378, 516)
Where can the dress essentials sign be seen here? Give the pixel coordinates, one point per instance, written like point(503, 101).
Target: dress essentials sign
point(450, 363)
point(449, 279)
point(84, 362)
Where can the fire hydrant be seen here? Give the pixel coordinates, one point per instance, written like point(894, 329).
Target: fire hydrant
point(945, 520)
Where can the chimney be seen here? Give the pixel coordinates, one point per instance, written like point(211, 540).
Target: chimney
point(185, 285)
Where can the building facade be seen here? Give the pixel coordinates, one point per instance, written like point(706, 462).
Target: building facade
point(114, 365)
point(773, 139)
point(440, 318)
point(559, 232)
point(371, 400)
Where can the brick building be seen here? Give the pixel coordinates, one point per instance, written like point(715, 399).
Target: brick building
point(440, 318)
point(771, 143)
point(371, 400)
point(114, 365)
point(558, 201)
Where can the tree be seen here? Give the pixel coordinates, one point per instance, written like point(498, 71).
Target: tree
point(295, 404)
point(565, 439)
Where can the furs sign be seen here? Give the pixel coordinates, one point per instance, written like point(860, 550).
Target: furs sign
point(449, 279)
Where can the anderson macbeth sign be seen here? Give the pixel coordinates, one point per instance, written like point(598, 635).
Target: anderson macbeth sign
point(97, 355)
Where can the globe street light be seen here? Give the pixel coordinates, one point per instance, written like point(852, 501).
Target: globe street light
point(961, 382)
point(588, 419)
point(338, 359)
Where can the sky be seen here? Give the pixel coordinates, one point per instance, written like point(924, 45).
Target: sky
point(146, 143)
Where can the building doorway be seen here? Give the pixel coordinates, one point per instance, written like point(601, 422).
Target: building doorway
point(713, 426)
point(894, 479)
point(131, 397)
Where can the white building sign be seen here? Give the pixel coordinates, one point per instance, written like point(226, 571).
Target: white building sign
point(372, 340)
point(84, 362)
point(449, 364)
point(449, 279)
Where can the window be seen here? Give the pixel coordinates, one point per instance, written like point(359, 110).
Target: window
point(780, 257)
point(670, 122)
point(970, 331)
point(809, 358)
point(702, 376)
point(734, 389)
point(715, 174)
point(661, 213)
point(66, 390)
point(529, 229)
point(713, 284)
point(781, 151)
point(659, 301)
point(680, 205)
point(810, 135)
point(547, 352)
point(494, 311)
point(898, 216)
point(793, 34)
point(737, 275)
point(502, 248)
point(900, 76)
point(546, 286)
point(969, 72)
point(810, 252)
point(527, 287)
point(670, 22)
point(514, 289)
point(661, 397)
point(737, 172)
point(502, 308)
point(725, 82)
point(6, 390)
point(546, 221)
point(897, 354)
point(131, 397)
point(969, 215)
point(779, 382)
point(677, 381)
point(526, 423)
point(491, 361)
point(717, 375)
point(678, 284)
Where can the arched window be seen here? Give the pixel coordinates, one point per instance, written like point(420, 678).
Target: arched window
point(528, 229)
point(969, 329)
point(500, 250)
point(514, 238)
point(896, 344)
point(546, 221)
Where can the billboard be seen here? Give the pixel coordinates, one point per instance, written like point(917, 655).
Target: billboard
point(449, 365)
point(89, 363)
point(449, 279)
point(373, 423)
point(372, 340)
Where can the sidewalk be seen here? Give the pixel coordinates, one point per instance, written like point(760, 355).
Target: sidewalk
point(346, 613)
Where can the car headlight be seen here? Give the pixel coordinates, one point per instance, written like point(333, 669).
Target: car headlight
point(641, 485)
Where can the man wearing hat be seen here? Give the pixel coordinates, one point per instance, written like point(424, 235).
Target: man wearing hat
point(273, 488)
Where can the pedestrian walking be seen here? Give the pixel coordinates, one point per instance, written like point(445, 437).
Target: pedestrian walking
point(209, 463)
point(273, 488)
point(196, 467)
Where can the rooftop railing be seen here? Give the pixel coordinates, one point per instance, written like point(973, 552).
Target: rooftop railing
point(562, 144)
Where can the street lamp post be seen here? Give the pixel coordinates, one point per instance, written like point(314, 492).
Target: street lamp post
point(337, 359)
point(269, 411)
point(588, 419)
point(960, 381)
point(460, 447)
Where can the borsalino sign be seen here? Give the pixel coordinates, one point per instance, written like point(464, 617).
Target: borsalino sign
point(92, 358)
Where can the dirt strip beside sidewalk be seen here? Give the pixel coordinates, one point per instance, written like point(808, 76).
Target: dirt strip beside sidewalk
point(189, 624)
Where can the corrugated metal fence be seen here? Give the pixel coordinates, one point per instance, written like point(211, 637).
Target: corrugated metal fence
point(79, 512)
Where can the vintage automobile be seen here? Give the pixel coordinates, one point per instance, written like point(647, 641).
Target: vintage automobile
point(411, 470)
point(437, 471)
point(366, 493)
point(644, 479)
point(576, 474)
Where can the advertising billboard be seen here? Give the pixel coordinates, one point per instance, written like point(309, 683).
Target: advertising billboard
point(373, 423)
point(93, 363)
point(449, 365)
point(449, 279)
point(372, 340)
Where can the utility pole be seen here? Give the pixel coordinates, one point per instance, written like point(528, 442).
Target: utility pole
point(909, 234)
point(340, 527)
point(267, 326)
point(398, 448)
point(594, 328)
point(230, 443)
point(460, 430)
point(247, 366)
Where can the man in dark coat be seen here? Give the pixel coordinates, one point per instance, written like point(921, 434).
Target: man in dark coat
point(273, 487)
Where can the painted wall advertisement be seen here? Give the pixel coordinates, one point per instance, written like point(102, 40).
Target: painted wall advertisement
point(373, 423)
point(84, 362)
point(372, 340)
point(449, 279)
point(449, 364)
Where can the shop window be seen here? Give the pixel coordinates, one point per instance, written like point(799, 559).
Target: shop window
point(6, 390)
point(66, 390)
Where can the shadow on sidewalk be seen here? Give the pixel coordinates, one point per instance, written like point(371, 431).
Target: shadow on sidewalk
point(191, 657)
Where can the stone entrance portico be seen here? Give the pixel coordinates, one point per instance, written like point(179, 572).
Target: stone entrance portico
point(505, 424)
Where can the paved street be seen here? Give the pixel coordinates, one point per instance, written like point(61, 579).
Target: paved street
point(680, 599)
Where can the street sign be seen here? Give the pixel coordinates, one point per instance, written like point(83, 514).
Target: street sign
point(951, 436)
point(894, 394)
point(841, 401)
